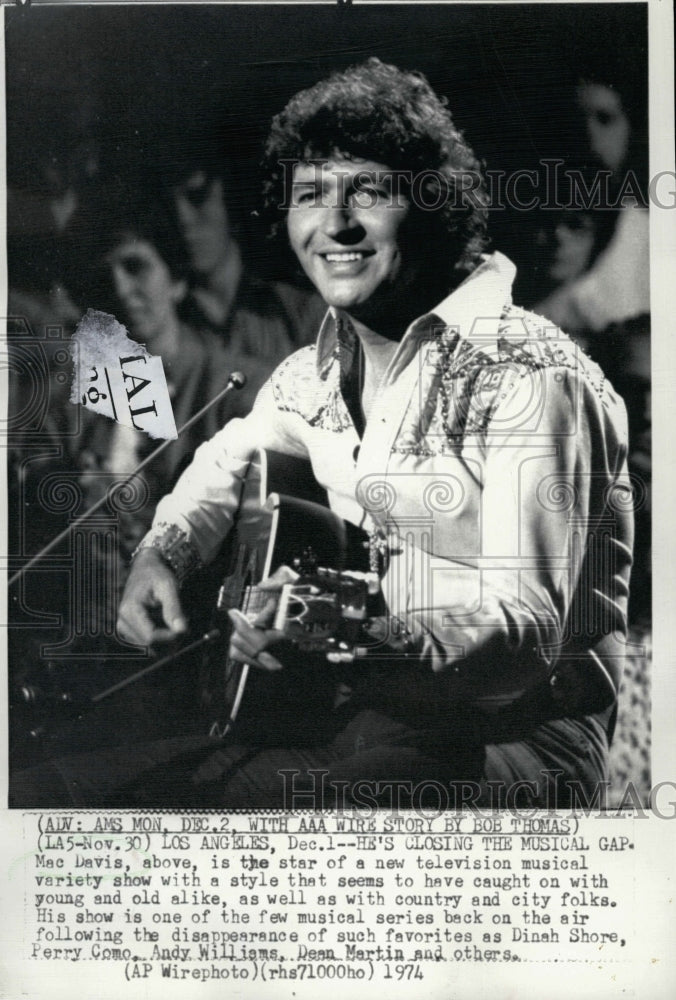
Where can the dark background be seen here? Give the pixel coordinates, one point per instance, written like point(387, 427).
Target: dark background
point(133, 86)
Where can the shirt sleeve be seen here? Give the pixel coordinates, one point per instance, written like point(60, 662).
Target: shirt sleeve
point(199, 512)
point(495, 620)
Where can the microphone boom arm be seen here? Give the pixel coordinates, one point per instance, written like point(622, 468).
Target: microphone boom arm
point(236, 381)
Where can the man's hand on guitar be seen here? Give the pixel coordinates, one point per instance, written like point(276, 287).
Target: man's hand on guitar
point(150, 611)
point(250, 639)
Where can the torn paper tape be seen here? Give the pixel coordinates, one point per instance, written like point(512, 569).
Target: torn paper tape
point(118, 378)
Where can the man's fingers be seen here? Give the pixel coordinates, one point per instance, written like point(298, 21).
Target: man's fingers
point(282, 575)
point(166, 594)
point(142, 630)
point(240, 622)
point(160, 634)
point(135, 627)
point(130, 632)
point(150, 611)
point(255, 657)
point(252, 636)
point(268, 661)
point(267, 615)
point(248, 644)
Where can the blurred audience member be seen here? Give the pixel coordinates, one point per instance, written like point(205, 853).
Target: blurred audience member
point(616, 287)
point(51, 181)
point(267, 318)
point(568, 244)
point(606, 122)
point(142, 279)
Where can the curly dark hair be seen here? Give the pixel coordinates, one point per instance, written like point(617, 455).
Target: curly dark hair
point(379, 112)
point(120, 217)
point(149, 220)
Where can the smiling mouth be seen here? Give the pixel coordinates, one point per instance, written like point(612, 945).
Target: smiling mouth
point(347, 256)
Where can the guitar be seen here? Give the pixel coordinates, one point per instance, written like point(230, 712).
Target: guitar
point(284, 519)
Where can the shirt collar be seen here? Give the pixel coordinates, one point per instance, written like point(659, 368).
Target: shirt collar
point(483, 294)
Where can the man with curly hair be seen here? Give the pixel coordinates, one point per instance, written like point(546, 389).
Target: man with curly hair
point(485, 457)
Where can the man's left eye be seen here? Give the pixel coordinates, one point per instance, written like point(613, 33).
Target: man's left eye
point(306, 196)
point(367, 195)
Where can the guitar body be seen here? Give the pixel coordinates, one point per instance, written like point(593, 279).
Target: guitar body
point(283, 519)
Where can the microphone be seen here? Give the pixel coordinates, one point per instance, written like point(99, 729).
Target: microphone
point(236, 380)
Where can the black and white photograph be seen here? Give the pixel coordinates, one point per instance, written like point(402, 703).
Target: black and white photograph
point(331, 643)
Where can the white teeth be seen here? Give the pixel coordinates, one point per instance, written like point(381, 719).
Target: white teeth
point(341, 258)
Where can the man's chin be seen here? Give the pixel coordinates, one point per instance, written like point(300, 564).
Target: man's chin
point(378, 307)
point(341, 299)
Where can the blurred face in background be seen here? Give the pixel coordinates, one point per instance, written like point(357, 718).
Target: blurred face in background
point(571, 246)
point(146, 291)
point(608, 127)
point(203, 220)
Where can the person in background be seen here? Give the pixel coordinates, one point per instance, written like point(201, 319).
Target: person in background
point(225, 294)
point(141, 277)
point(568, 242)
point(616, 286)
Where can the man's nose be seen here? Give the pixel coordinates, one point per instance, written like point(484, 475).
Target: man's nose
point(342, 224)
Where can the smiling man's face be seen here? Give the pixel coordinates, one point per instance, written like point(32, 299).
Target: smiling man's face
point(347, 226)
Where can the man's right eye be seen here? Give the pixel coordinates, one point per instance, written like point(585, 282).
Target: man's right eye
point(305, 196)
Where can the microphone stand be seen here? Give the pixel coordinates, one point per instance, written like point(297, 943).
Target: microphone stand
point(191, 647)
point(35, 696)
point(236, 381)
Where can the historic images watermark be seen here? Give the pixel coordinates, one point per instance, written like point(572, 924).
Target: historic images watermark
point(314, 790)
point(552, 187)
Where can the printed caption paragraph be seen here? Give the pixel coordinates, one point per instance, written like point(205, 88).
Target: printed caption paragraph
point(295, 896)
